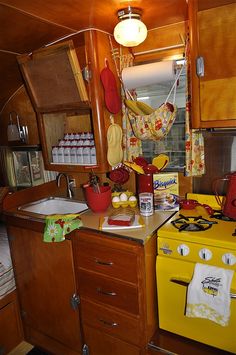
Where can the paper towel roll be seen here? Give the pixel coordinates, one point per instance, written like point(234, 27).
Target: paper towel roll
point(148, 74)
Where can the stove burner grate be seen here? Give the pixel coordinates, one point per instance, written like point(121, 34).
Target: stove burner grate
point(192, 223)
point(222, 217)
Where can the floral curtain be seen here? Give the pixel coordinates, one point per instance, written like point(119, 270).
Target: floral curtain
point(194, 141)
point(132, 146)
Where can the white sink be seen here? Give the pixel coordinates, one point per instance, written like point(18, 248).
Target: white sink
point(54, 205)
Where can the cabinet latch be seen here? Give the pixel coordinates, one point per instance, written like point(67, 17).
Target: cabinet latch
point(75, 301)
point(87, 74)
point(200, 66)
point(85, 350)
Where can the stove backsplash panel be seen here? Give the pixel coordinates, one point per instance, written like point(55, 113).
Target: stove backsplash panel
point(220, 158)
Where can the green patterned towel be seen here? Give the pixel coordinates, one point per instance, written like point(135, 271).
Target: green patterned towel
point(58, 225)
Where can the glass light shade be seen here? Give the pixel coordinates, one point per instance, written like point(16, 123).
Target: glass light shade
point(130, 32)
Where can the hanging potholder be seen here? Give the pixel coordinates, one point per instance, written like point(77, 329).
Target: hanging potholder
point(114, 142)
point(112, 99)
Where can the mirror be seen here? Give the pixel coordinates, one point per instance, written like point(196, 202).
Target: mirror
point(174, 144)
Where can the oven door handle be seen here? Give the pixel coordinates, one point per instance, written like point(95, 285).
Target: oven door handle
point(186, 283)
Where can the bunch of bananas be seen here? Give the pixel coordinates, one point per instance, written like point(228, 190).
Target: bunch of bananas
point(138, 107)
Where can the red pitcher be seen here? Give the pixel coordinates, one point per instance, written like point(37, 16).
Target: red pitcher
point(228, 202)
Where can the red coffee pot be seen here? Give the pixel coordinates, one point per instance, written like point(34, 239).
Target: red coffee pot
point(228, 202)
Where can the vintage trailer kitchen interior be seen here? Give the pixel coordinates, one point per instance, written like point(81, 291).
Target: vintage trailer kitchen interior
point(118, 177)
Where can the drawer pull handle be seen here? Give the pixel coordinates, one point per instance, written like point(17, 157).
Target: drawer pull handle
point(108, 263)
point(99, 290)
point(109, 324)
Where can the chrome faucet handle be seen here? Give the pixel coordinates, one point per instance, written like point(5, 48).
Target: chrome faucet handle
point(68, 184)
point(70, 191)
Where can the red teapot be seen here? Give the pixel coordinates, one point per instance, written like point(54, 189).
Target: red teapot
point(228, 202)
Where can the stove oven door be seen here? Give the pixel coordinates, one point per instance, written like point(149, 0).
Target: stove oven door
point(173, 277)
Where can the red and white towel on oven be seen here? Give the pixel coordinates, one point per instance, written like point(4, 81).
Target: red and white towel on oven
point(208, 294)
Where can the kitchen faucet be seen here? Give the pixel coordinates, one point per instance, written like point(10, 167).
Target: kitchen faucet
point(68, 184)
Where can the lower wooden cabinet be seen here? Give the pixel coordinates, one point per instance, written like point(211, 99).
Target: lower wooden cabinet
point(93, 293)
point(116, 284)
point(10, 324)
point(45, 280)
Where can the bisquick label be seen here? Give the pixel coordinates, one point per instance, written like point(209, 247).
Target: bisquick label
point(166, 191)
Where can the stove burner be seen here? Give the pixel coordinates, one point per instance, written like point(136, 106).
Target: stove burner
point(192, 223)
point(221, 216)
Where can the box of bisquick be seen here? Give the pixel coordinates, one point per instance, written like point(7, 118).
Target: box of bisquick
point(166, 191)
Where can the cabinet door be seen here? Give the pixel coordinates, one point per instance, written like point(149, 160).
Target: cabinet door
point(53, 77)
point(45, 282)
point(212, 38)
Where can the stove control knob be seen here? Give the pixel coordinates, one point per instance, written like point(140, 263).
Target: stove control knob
point(183, 249)
point(229, 259)
point(205, 254)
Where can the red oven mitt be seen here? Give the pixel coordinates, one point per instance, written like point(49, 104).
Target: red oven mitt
point(112, 99)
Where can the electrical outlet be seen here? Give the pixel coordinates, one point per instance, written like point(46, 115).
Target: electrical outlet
point(72, 183)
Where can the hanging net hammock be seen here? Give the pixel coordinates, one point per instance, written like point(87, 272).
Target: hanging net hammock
point(155, 125)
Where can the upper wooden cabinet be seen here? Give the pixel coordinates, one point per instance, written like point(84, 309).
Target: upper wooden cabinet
point(53, 77)
point(212, 40)
point(64, 102)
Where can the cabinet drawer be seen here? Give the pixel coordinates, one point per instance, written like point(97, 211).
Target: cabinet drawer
point(112, 262)
point(111, 322)
point(104, 344)
point(108, 291)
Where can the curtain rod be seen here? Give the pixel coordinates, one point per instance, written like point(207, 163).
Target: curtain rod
point(159, 49)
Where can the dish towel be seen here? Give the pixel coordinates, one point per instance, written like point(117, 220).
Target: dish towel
point(208, 294)
point(57, 226)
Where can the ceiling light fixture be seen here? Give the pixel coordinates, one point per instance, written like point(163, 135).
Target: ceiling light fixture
point(130, 31)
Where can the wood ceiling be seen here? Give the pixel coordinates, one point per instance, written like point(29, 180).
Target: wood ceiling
point(26, 25)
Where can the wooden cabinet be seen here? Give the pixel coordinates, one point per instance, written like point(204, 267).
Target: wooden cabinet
point(212, 40)
point(116, 284)
point(64, 101)
point(45, 281)
point(10, 323)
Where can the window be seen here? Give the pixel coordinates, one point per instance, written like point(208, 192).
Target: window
point(174, 144)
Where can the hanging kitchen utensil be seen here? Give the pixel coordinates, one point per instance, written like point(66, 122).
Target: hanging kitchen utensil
point(119, 175)
point(161, 161)
point(114, 143)
point(112, 99)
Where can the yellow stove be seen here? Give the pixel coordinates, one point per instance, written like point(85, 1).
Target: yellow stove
point(190, 237)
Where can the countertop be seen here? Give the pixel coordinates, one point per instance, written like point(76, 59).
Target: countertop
point(151, 224)
point(91, 220)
